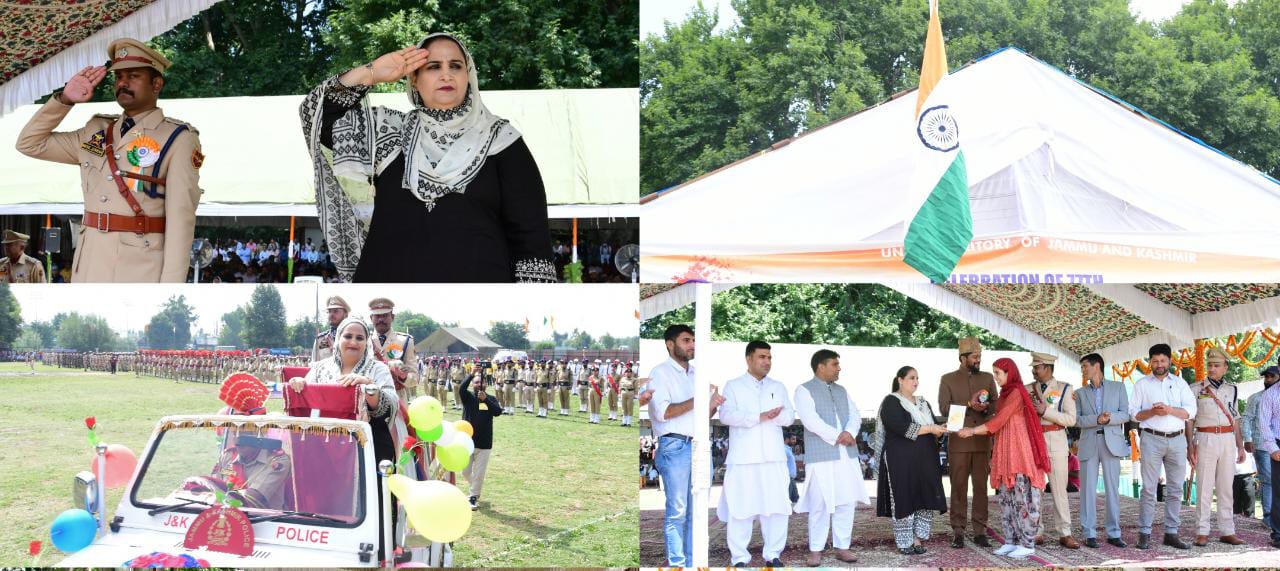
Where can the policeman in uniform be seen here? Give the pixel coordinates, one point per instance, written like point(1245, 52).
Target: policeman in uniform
point(1055, 402)
point(429, 377)
point(456, 375)
point(16, 267)
point(562, 379)
point(397, 348)
point(628, 387)
point(512, 378)
point(140, 171)
point(258, 465)
point(1215, 444)
point(612, 395)
point(322, 347)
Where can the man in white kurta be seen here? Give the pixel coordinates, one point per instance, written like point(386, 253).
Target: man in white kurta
point(756, 408)
point(833, 478)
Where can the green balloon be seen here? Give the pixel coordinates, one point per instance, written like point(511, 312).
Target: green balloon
point(453, 457)
point(425, 413)
point(431, 435)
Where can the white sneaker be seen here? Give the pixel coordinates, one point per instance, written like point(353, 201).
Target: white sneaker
point(1006, 548)
point(1021, 552)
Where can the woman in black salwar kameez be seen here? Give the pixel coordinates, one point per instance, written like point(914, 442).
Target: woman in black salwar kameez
point(909, 486)
point(446, 192)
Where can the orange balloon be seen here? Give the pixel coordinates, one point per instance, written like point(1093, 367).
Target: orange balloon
point(120, 464)
point(464, 426)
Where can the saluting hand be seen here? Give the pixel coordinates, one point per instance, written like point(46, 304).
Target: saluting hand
point(395, 65)
point(79, 88)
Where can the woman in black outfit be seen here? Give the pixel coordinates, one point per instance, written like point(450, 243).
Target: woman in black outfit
point(909, 486)
point(447, 192)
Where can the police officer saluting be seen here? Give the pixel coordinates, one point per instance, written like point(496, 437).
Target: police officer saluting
point(140, 171)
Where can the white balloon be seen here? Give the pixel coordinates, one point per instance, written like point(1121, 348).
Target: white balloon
point(447, 434)
point(466, 441)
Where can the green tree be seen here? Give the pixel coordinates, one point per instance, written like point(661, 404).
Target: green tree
point(264, 320)
point(508, 334)
point(416, 324)
point(517, 44)
point(709, 98)
point(580, 340)
point(544, 345)
point(86, 333)
point(48, 334)
point(10, 315)
point(232, 328)
point(28, 340)
point(838, 314)
point(171, 327)
point(303, 332)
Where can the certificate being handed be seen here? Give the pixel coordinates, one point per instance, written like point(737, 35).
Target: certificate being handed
point(955, 419)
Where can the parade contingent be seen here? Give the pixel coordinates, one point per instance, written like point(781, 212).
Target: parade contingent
point(998, 430)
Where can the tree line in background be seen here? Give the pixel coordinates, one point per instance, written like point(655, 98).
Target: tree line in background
point(709, 98)
point(864, 315)
point(259, 323)
point(287, 47)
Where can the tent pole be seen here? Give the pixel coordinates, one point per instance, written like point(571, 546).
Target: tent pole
point(48, 258)
point(292, 220)
point(701, 484)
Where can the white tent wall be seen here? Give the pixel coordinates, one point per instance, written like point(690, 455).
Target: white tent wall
point(866, 371)
point(1046, 155)
point(586, 143)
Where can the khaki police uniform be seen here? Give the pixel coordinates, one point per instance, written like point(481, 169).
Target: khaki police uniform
point(1059, 413)
point(265, 476)
point(1216, 434)
point(628, 386)
point(141, 231)
point(562, 379)
point(26, 270)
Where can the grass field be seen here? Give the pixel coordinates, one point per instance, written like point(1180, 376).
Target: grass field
point(559, 492)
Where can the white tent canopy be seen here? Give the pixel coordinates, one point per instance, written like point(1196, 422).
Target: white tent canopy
point(586, 143)
point(1056, 167)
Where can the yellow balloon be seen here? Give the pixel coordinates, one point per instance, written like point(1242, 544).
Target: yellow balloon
point(438, 510)
point(464, 426)
point(399, 485)
point(453, 457)
point(425, 413)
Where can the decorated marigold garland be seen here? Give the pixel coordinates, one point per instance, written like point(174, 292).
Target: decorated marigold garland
point(1194, 357)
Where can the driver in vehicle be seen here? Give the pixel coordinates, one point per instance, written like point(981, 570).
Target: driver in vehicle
point(253, 471)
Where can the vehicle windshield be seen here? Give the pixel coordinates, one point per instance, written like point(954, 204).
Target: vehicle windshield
point(267, 470)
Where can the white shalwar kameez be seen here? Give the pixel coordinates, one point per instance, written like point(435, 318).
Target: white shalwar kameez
point(832, 487)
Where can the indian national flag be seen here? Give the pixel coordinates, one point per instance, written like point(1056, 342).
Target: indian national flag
point(941, 229)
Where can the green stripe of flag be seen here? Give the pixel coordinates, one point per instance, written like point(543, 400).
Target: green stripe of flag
point(942, 229)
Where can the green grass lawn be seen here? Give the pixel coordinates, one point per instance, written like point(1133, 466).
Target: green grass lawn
point(559, 492)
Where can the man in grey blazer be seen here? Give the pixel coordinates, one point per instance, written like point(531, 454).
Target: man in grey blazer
point(1102, 408)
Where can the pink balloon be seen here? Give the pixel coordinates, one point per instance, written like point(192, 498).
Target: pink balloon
point(120, 464)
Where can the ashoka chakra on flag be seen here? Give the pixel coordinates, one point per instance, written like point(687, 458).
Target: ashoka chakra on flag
point(938, 130)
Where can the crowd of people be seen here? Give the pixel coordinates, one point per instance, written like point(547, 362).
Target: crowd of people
point(991, 430)
point(266, 261)
point(597, 261)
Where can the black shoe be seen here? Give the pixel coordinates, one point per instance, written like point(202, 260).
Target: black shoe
point(1144, 541)
point(918, 549)
point(1171, 539)
point(1275, 543)
point(775, 562)
point(474, 503)
point(981, 540)
point(1116, 541)
point(906, 550)
point(739, 564)
point(957, 541)
point(1091, 543)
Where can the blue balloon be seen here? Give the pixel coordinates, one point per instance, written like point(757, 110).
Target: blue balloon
point(73, 530)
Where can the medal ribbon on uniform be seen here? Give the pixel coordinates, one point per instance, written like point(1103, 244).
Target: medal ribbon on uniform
point(142, 153)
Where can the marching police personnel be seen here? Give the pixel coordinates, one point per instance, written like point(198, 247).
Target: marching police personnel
point(562, 379)
point(628, 386)
point(322, 347)
point(457, 374)
point(16, 267)
point(397, 348)
point(140, 171)
point(1215, 445)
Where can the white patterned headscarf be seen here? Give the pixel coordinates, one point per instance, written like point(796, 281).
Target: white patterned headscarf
point(444, 149)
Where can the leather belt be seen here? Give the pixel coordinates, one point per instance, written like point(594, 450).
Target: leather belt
point(677, 437)
point(120, 223)
point(1164, 434)
point(1215, 429)
point(1050, 427)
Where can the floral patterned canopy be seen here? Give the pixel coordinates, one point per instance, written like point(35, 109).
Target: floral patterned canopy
point(35, 30)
